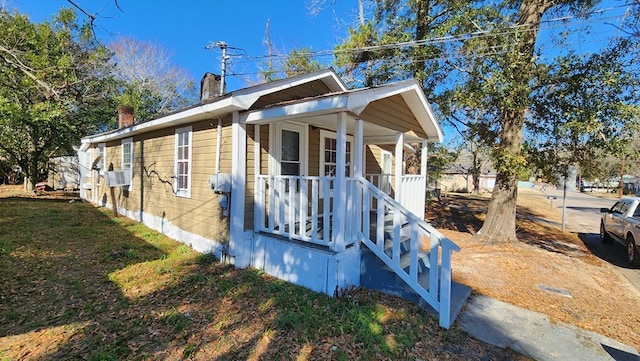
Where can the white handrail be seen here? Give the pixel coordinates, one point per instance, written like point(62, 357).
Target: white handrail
point(438, 291)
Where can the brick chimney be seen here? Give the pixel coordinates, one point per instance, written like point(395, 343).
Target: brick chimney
point(209, 87)
point(125, 116)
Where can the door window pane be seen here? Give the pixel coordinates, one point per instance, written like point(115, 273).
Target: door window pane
point(290, 145)
point(290, 160)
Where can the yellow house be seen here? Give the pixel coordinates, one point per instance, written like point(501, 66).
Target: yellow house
point(292, 177)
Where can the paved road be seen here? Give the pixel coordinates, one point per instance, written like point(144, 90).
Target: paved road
point(582, 215)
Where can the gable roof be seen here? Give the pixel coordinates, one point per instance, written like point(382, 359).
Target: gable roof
point(397, 107)
point(386, 109)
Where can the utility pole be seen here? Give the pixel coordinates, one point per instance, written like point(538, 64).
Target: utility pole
point(223, 62)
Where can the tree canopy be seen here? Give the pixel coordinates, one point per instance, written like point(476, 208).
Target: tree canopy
point(53, 88)
point(58, 83)
point(482, 66)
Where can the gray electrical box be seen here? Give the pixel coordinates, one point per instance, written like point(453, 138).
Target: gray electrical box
point(220, 183)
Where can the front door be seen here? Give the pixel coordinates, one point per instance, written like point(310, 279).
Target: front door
point(289, 142)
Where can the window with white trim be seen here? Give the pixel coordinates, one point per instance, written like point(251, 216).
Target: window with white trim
point(386, 161)
point(127, 159)
point(182, 166)
point(329, 153)
point(384, 183)
point(102, 164)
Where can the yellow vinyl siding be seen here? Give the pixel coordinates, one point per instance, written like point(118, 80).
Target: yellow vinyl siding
point(314, 151)
point(200, 214)
point(373, 161)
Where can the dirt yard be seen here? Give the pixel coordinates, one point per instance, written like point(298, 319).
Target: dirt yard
point(547, 271)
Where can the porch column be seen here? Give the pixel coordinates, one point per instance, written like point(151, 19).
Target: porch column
point(398, 166)
point(358, 149)
point(423, 159)
point(340, 189)
point(356, 198)
point(258, 196)
point(424, 173)
point(238, 176)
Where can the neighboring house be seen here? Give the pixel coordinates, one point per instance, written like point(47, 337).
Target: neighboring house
point(458, 177)
point(64, 173)
point(277, 177)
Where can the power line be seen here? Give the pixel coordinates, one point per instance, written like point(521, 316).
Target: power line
point(514, 29)
point(449, 39)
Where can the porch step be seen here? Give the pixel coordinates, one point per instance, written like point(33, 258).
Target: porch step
point(381, 278)
point(375, 274)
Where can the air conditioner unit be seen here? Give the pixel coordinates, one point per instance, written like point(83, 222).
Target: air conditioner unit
point(118, 178)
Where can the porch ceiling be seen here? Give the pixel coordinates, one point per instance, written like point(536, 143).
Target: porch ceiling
point(386, 110)
point(301, 91)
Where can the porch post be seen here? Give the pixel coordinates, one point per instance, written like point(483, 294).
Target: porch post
point(398, 166)
point(340, 189)
point(258, 196)
point(358, 149)
point(238, 176)
point(423, 159)
point(355, 194)
point(423, 172)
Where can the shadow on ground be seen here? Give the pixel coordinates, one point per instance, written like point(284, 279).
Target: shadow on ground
point(614, 253)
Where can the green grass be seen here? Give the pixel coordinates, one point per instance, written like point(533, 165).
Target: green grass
point(78, 284)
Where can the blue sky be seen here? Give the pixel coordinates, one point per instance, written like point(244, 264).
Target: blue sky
point(185, 27)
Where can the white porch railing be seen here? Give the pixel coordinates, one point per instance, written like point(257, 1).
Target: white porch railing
point(297, 207)
point(413, 193)
point(372, 201)
point(413, 189)
point(301, 208)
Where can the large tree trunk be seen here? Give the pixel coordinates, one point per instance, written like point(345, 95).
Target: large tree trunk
point(500, 224)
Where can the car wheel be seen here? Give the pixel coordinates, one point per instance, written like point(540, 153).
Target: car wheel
point(632, 251)
point(604, 236)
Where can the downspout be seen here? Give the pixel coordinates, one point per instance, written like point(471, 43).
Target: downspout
point(218, 145)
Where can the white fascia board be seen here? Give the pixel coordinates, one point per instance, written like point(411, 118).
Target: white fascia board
point(356, 102)
point(418, 103)
point(331, 104)
point(414, 97)
point(360, 99)
point(239, 100)
point(201, 112)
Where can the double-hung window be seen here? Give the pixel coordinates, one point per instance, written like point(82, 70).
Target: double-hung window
point(127, 160)
point(182, 170)
point(329, 157)
point(102, 163)
point(384, 183)
point(329, 153)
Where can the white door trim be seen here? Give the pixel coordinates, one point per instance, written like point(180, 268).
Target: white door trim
point(275, 145)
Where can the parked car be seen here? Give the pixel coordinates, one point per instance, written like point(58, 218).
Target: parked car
point(621, 223)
